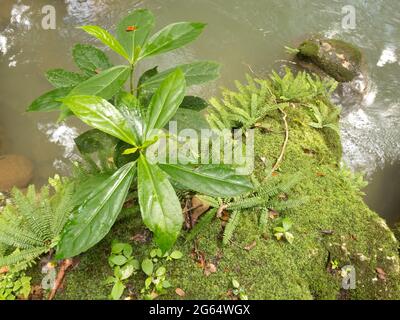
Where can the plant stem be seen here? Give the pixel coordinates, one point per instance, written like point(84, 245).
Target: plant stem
point(131, 78)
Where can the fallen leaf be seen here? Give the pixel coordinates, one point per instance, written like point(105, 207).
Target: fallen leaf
point(381, 273)
point(251, 245)
point(320, 174)
point(4, 270)
point(142, 237)
point(36, 293)
point(275, 174)
point(199, 207)
point(180, 292)
point(199, 257)
point(210, 268)
point(273, 214)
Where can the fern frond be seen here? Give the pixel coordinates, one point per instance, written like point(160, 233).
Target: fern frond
point(201, 224)
point(247, 203)
point(62, 206)
point(231, 227)
point(19, 238)
point(24, 256)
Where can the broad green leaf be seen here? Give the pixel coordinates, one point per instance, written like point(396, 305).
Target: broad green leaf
point(85, 188)
point(127, 271)
point(50, 100)
point(107, 38)
point(214, 180)
point(117, 247)
point(61, 78)
point(100, 114)
point(190, 119)
point(147, 267)
point(117, 290)
point(194, 103)
point(106, 84)
point(95, 217)
point(235, 283)
point(118, 260)
point(132, 41)
point(160, 207)
point(94, 141)
point(90, 59)
point(287, 224)
point(148, 74)
point(171, 37)
point(160, 271)
point(195, 73)
point(128, 105)
point(176, 255)
point(166, 100)
point(144, 94)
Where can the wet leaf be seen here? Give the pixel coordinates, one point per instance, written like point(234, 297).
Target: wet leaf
point(90, 59)
point(107, 38)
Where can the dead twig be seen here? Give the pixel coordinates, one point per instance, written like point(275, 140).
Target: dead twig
point(280, 158)
point(65, 265)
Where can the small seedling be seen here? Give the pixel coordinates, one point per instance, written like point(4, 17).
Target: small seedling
point(124, 265)
point(282, 232)
point(238, 291)
point(156, 282)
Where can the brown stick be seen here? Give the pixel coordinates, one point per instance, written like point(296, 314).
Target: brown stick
point(60, 276)
point(278, 162)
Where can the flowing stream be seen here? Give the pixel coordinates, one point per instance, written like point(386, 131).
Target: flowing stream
point(241, 35)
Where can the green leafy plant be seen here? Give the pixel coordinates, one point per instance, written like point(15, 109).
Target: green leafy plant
point(301, 87)
point(325, 116)
point(238, 290)
point(32, 223)
point(135, 119)
point(251, 103)
point(245, 108)
point(124, 266)
point(14, 285)
point(156, 282)
point(282, 232)
point(271, 194)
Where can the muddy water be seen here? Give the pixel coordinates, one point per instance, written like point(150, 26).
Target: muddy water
point(239, 34)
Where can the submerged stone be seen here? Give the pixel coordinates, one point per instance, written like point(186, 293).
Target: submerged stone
point(337, 58)
point(15, 171)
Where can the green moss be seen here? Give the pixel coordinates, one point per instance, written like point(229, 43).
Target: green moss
point(338, 59)
point(273, 269)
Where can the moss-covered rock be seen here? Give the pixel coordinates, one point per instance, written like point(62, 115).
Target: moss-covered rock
point(333, 225)
point(337, 58)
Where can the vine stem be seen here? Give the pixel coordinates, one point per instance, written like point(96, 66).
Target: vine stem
point(279, 161)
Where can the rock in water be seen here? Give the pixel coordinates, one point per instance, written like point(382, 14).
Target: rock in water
point(338, 59)
point(15, 171)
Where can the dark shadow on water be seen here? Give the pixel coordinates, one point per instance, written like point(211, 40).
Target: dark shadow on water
point(383, 193)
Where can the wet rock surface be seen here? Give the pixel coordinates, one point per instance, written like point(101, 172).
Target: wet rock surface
point(338, 59)
point(15, 171)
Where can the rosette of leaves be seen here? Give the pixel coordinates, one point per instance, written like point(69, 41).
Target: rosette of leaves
point(136, 119)
point(134, 43)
